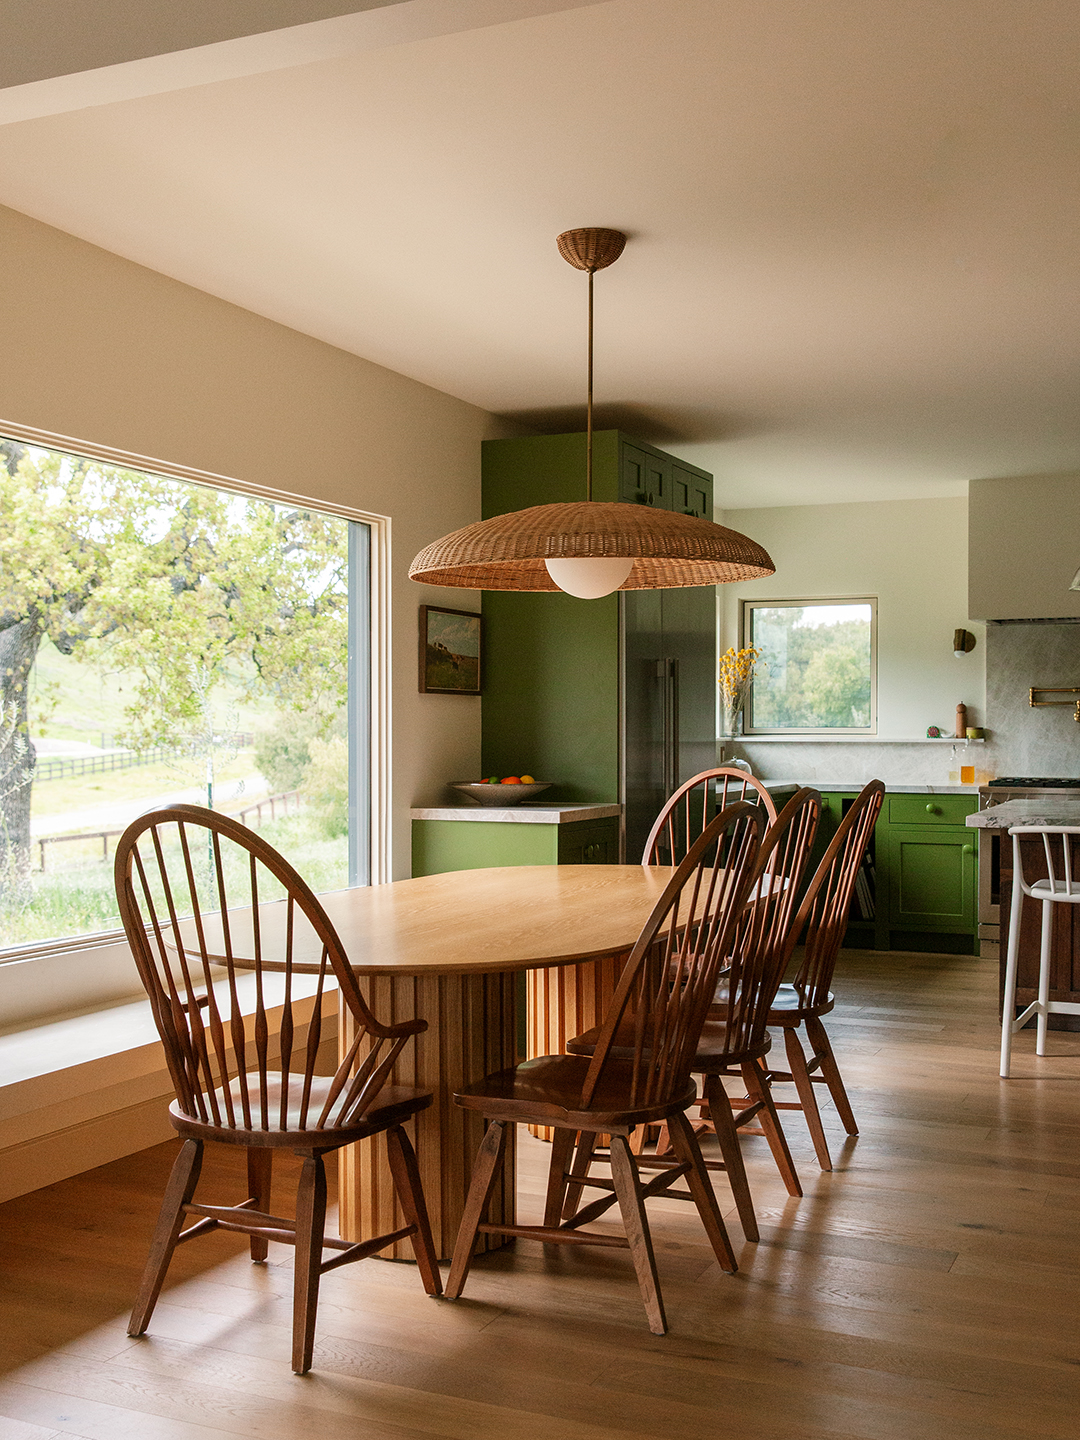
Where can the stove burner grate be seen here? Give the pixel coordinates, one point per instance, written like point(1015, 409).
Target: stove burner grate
point(1034, 782)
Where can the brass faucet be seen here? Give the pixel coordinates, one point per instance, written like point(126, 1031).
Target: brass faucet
point(1056, 690)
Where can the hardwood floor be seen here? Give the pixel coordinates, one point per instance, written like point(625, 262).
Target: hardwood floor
point(928, 1289)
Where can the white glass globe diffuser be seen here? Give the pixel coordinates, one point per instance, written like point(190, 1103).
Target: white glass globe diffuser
point(589, 579)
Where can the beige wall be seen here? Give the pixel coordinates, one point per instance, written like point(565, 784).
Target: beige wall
point(911, 554)
point(100, 349)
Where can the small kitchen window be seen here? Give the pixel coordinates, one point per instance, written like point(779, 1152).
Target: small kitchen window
point(817, 670)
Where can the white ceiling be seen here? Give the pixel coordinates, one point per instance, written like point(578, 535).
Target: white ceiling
point(852, 271)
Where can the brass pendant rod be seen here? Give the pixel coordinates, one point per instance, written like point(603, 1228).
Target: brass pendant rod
point(588, 421)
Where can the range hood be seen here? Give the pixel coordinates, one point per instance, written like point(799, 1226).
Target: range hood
point(1023, 548)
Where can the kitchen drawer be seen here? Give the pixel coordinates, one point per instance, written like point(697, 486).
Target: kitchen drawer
point(930, 809)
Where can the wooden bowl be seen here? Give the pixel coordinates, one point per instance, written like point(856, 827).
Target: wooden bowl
point(502, 794)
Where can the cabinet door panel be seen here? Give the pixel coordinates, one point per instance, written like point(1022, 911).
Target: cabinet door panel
point(644, 479)
point(691, 493)
point(931, 879)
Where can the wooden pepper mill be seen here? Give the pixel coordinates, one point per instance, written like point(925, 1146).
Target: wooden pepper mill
point(961, 721)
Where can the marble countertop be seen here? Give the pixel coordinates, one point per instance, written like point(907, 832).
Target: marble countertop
point(1052, 810)
point(834, 786)
point(533, 812)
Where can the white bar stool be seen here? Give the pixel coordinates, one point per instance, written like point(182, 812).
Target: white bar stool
point(1051, 891)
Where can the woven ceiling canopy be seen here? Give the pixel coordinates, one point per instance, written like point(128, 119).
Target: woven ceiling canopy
point(669, 550)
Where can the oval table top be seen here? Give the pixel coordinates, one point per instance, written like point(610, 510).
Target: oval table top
point(506, 918)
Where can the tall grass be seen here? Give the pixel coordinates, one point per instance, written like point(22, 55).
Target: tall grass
point(77, 896)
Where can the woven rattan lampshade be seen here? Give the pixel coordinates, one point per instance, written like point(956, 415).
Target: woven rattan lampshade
point(662, 550)
point(668, 550)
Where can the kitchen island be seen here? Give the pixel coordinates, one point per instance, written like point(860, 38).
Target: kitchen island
point(1053, 809)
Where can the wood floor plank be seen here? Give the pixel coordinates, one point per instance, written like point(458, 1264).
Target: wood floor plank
point(926, 1289)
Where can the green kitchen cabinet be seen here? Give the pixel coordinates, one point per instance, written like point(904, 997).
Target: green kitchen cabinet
point(924, 868)
point(612, 699)
point(462, 841)
point(931, 864)
point(931, 875)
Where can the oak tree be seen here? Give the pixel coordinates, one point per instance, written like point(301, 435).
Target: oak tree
point(172, 582)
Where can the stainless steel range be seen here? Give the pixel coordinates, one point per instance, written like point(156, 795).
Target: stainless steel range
point(1005, 787)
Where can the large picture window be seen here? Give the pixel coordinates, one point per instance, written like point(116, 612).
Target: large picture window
point(816, 670)
point(164, 641)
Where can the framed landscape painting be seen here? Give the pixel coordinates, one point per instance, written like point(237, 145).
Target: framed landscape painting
point(449, 651)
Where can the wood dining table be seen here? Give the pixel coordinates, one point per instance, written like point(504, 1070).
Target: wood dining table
point(451, 948)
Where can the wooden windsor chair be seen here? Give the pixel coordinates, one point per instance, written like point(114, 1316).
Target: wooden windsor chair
point(241, 1023)
point(638, 1072)
point(735, 1038)
point(821, 922)
point(694, 804)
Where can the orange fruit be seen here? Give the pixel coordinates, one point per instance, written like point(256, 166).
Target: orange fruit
point(511, 780)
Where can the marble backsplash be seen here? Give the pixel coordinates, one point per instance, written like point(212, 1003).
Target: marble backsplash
point(850, 765)
point(1021, 740)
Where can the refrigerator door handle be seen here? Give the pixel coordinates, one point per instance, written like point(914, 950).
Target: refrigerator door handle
point(667, 671)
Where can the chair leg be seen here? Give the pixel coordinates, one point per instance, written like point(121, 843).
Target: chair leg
point(759, 1088)
point(578, 1170)
point(1008, 1004)
point(485, 1172)
point(822, 1047)
point(663, 1142)
point(632, 1207)
point(724, 1125)
point(406, 1176)
point(805, 1086)
point(562, 1143)
point(260, 1162)
point(178, 1193)
point(687, 1149)
point(1044, 977)
point(310, 1224)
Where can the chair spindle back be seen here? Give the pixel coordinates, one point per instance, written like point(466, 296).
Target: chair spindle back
point(765, 932)
point(694, 804)
point(1059, 871)
point(668, 982)
point(226, 964)
point(822, 917)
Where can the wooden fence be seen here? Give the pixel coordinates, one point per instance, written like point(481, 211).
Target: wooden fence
point(287, 802)
point(61, 767)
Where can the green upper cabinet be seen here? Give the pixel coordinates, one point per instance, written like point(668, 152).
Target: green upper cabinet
point(547, 470)
point(557, 668)
point(691, 492)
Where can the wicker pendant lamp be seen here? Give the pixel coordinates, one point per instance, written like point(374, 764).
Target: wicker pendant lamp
point(590, 548)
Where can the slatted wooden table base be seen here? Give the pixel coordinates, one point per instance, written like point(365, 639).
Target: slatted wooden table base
point(449, 948)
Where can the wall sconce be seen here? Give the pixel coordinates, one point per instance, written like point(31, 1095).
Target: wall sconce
point(962, 642)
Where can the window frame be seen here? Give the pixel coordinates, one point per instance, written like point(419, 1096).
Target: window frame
point(373, 680)
point(746, 606)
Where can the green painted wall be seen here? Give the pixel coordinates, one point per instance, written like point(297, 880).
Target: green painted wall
point(551, 669)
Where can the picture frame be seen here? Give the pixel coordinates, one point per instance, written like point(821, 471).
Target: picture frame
point(451, 651)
